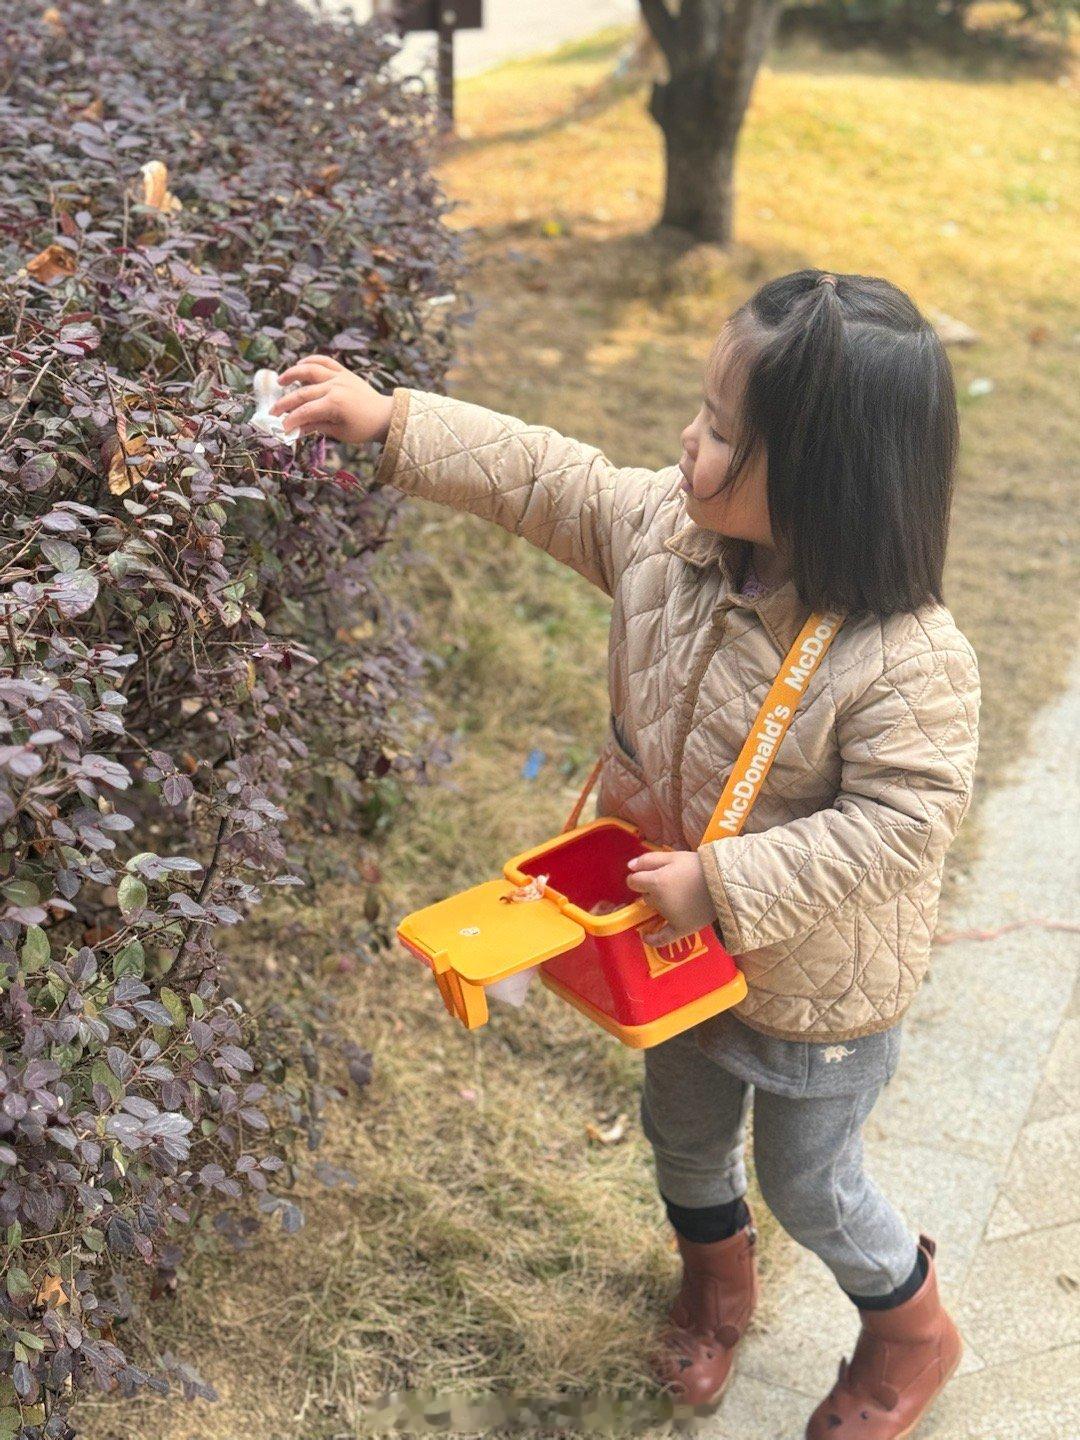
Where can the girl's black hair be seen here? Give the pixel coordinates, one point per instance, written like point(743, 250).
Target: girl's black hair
point(850, 395)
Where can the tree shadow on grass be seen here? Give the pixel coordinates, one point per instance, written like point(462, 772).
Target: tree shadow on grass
point(590, 102)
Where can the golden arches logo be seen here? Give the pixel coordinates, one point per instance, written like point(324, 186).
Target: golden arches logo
point(666, 957)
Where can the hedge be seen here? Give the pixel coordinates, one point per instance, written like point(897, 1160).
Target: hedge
point(196, 666)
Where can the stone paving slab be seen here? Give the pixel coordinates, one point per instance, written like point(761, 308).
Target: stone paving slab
point(762, 1410)
point(1061, 1076)
point(1031, 1399)
point(1043, 1179)
point(976, 1140)
point(1022, 1296)
point(970, 1064)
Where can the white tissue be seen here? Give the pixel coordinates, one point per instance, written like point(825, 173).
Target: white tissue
point(268, 388)
point(513, 989)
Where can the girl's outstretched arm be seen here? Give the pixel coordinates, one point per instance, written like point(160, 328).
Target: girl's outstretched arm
point(563, 496)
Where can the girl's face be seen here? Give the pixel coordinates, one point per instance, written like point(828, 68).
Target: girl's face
point(708, 446)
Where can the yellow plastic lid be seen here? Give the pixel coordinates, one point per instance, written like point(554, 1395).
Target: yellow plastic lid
point(485, 937)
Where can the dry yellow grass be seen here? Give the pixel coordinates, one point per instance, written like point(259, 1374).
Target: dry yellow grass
point(959, 188)
point(488, 1243)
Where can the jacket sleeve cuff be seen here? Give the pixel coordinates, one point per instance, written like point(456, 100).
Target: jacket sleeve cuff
point(714, 879)
point(399, 413)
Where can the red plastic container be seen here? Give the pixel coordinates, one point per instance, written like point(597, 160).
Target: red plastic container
point(640, 992)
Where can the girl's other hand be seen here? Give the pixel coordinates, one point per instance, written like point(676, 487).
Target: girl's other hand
point(673, 882)
point(332, 401)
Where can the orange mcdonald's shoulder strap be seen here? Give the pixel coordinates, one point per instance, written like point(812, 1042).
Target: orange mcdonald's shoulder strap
point(579, 803)
point(773, 719)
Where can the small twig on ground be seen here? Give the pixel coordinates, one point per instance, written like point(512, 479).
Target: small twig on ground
point(947, 937)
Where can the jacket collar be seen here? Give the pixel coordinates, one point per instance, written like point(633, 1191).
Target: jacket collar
point(779, 609)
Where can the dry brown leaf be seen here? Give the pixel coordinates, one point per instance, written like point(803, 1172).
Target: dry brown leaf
point(156, 187)
point(94, 111)
point(51, 1292)
point(120, 449)
point(607, 1134)
point(51, 264)
point(98, 934)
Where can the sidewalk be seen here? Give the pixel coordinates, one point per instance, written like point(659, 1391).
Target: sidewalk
point(978, 1140)
point(512, 28)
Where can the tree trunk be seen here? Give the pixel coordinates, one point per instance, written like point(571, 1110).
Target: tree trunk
point(699, 158)
point(713, 49)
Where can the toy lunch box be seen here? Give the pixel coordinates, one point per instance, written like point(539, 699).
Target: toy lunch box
point(599, 963)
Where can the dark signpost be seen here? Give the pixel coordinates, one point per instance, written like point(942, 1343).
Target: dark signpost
point(444, 17)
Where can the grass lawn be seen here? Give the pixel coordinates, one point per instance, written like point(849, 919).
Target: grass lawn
point(490, 1243)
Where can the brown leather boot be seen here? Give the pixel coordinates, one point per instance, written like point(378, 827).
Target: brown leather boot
point(707, 1320)
point(902, 1360)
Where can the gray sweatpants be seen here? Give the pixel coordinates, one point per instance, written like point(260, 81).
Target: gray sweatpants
point(807, 1153)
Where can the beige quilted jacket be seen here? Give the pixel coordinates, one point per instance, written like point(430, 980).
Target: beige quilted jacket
point(830, 896)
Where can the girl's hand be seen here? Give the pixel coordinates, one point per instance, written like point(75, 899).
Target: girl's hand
point(673, 882)
point(332, 401)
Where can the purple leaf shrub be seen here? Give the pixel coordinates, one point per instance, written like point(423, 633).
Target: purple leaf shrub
point(193, 650)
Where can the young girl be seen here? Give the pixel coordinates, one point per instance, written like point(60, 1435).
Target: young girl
point(816, 476)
